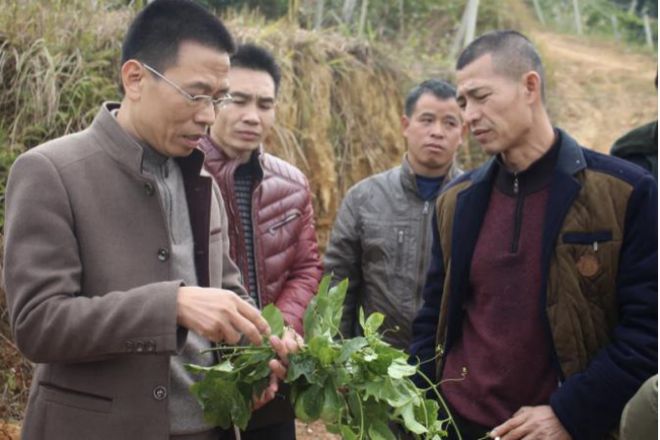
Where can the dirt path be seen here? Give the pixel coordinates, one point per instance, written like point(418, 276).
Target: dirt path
point(597, 91)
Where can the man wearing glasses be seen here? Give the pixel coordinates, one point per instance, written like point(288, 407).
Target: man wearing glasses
point(117, 268)
point(269, 206)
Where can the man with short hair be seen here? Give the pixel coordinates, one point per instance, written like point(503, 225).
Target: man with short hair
point(269, 209)
point(117, 268)
point(542, 290)
point(381, 237)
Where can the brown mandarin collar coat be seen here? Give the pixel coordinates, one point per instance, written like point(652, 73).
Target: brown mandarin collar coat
point(89, 282)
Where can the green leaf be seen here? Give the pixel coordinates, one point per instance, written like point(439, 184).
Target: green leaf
point(332, 403)
point(309, 404)
point(348, 434)
point(351, 346)
point(321, 347)
point(380, 431)
point(408, 414)
point(374, 321)
point(274, 318)
point(310, 321)
point(324, 311)
point(399, 369)
point(218, 398)
point(302, 365)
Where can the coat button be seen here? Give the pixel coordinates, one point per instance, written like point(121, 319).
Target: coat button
point(160, 392)
point(139, 346)
point(149, 188)
point(163, 254)
point(150, 345)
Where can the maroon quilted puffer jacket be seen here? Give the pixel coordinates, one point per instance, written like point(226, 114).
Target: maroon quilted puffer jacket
point(288, 266)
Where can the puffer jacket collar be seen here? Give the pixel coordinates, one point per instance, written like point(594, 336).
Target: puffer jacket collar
point(409, 182)
point(219, 163)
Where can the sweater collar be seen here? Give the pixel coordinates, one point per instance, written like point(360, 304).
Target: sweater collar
point(534, 178)
point(570, 159)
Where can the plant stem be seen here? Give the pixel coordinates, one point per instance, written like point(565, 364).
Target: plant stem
point(442, 402)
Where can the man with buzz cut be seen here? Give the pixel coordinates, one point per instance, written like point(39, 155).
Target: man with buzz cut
point(381, 237)
point(542, 294)
point(116, 261)
point(269, 209)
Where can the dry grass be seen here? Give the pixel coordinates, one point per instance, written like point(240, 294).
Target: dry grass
point(338, 110)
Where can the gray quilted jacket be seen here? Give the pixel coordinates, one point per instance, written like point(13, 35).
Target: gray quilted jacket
point(381, 242)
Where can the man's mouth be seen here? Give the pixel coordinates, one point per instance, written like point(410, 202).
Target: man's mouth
point(192, 139)
point(248, 135)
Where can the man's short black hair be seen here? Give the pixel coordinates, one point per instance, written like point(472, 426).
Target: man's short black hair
point(159, 29)
point(439, 88)
point(513, 54)
point(253, 57)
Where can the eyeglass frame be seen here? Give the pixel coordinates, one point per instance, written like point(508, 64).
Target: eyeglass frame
point(193, 99)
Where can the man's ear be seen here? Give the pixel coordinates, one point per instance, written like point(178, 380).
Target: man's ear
point(405, 122)
point(532, 85)
point(132, 75)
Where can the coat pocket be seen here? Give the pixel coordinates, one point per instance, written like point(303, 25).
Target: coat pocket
point(75, 399)
point(589, 250)
point(282, 221)
point(587, 237)
point(593, 257)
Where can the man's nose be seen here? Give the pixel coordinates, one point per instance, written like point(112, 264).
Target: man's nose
point(206, 114)
point(251, 116)
point(438, 130)
point(471, 113)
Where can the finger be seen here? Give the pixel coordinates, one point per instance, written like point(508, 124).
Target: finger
point(504, 428)
point(274, 384)
point(278, 371)
point(517, 433)
point(253, 315)
point(522, 410)
point(259, 401)
point(244, 326)
point(280, 348)
point(224, 333)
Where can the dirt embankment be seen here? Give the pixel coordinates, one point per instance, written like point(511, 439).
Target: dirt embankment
point(597, 90)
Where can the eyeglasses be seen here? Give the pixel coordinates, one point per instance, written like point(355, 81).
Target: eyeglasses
point(197, 100)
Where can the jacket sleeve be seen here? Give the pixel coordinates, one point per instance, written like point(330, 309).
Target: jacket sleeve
point(305, 273)
point(52, 320)
point(343, 259)
point(590, 403)
point(425, 324)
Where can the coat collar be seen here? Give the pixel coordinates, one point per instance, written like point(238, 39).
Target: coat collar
point(217, 160)
point(409, 181)
point(127, 150)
